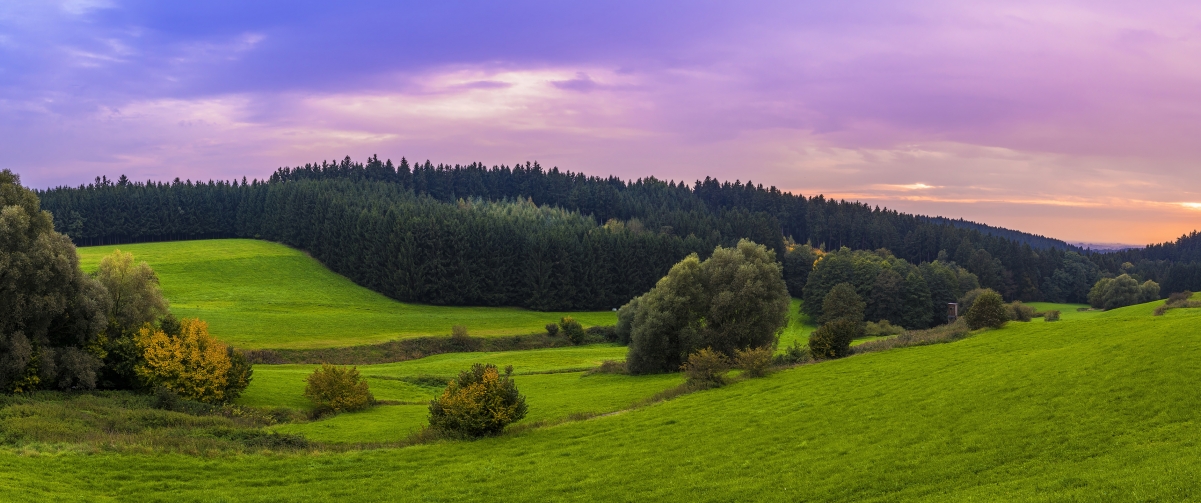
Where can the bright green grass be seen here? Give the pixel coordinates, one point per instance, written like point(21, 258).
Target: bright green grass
point(549, 397)
point(283, 385)
point(1067, 312)
point(1102, 409)
point(798, 328)
point(257, 294)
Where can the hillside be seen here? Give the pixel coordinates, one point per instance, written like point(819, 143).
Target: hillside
point(1103, 408)
point(257, 294)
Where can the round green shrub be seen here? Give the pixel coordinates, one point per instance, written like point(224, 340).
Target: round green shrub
point(833, 340)
point(988, 310)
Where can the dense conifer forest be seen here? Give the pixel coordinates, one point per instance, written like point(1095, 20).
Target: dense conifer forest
point(550, 239)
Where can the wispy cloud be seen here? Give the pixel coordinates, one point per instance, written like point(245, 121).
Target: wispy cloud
point(1068, 119)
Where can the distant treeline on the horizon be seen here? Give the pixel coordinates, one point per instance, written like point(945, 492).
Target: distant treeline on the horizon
point(549, 239)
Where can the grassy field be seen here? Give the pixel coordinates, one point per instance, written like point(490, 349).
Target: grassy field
point(550, 379)
point(257, 294)
point(1100, 409)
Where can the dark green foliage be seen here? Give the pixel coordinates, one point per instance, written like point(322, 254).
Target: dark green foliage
point(886, 298)
point(988, 310)
point(892, 288)
point(916, 305)
point(706, 367)
point(552, 329)
point(969, 298)
point(51, 313)
point(572, 330)
point(608, 333)
point(1072, 280)
point(833, 339)
point(625, 320)
point(792, 355)
point(1017, 311)
point(239, 376)
point(842, 303)
point(798, 262)
point(478, 402)
point(1052, 315)
point(1124, 290)
point(399, 229)
point(734, 300)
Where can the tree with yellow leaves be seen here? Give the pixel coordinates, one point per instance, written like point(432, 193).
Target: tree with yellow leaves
point(192, 364)
point(478, 402)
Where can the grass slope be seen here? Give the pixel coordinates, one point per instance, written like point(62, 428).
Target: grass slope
point(1102, 409)
point(257, 294)
point(554, 389)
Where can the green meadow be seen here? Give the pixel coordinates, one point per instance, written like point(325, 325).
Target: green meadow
point(1103, 408)
point(553, 381)
point(257, 294)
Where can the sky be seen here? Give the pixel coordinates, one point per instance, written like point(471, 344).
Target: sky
point(1075, 120)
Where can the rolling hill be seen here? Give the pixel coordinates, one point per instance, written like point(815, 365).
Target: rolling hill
point(258, 294)
point(1098, 408)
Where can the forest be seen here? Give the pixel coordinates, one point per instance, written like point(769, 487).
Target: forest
point(547, 239)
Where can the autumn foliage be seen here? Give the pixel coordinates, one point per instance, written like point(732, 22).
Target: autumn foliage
point(192, 364)
point(479, 402)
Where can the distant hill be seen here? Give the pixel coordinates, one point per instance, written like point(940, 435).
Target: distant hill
point(1034, 240)
point(533, 234)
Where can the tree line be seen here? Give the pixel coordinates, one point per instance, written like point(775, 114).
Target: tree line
point(550, 239)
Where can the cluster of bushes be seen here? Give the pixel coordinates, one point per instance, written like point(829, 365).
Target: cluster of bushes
point(734, 300)
point(891, 289)
point(67, 330)
point(941, 334)
point(1124, 290)
point(1176, 301)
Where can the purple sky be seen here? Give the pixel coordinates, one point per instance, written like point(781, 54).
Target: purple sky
point(1080, 121)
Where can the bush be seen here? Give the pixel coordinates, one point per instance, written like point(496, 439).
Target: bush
point(794, 354)
point(337, 389)
point(552, 329)
point(707, 367)
point(610, 367)
point(969, 298)
point(988, 310)
point(605, 332)
point(478, 402)
point(1052, 315)
point(1112, 293)
point(754, 362)
point(833, 340)
point(460, 341)
point(192, 364)
point(937, 335)
point(1017, 311)
point(1177, 300)
point(572, 329)
point(1179, 297)
point(881, 329)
